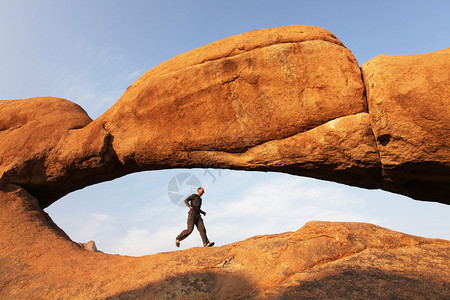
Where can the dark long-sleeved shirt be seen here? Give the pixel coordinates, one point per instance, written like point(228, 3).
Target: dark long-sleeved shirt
point(195, 201)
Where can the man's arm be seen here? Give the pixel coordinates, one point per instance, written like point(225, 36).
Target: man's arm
point(186, 201)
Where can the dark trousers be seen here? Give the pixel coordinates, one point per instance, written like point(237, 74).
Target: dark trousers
point(194, 218)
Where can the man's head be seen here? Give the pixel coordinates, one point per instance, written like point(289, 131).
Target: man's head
point(200, 191)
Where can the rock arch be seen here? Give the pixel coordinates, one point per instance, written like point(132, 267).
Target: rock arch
point(290, 99)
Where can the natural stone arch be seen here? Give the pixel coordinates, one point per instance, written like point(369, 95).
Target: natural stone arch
point(289, 99)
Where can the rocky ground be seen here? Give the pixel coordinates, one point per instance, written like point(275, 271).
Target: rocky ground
point(322, 260)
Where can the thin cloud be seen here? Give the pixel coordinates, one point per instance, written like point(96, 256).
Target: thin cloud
point(94, 226)
point(133, 76)
point(133, 215)
point(143, 241)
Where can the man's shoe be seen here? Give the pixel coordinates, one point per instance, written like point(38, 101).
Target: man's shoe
point(177, 242)
point(209, 244)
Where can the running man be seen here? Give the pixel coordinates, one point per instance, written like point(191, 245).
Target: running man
point(194, 202)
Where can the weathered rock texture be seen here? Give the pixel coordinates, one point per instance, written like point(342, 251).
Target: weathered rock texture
point(289, 99)
point(46, 147)
point(322, 260)
point(409, 104)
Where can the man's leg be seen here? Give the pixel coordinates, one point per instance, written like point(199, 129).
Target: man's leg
point(201, 228)
point(190, 226)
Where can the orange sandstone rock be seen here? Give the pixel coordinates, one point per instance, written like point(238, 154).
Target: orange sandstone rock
point(287, 99)
point(409, 104)
point(43, 148)
point(234, 99)
point(320, 260)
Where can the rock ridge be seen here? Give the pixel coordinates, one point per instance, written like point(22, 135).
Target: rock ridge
point(320, 260)
point(246, 42)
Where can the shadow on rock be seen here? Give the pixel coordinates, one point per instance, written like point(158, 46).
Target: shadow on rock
point(195, 285)
point(350, 283)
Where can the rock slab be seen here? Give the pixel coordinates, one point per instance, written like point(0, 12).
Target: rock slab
point(289, 99)
point(409, 104)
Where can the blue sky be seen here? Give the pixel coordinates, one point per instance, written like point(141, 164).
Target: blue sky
point(90, 51)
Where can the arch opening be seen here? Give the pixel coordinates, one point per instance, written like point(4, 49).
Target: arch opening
point(142, 213)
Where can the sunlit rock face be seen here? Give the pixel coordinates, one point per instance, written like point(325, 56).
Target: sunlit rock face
point(287, 99)
point(290, 99)
point(46, 148)
point(409, 104)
